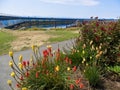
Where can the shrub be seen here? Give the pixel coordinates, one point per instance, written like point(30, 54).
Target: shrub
point(105, 33)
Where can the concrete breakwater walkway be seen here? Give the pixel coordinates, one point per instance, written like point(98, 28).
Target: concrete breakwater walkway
point(5, 70)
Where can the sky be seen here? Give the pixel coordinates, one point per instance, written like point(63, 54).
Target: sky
point(62, 8)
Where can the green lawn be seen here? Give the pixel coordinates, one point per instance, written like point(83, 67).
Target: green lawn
point(5, 39)
point(61, 35)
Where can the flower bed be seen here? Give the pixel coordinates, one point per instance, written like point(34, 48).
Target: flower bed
point(94, 55)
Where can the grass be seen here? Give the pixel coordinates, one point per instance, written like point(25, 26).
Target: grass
point(5, 40)
point(56, 35)
point(61, 35)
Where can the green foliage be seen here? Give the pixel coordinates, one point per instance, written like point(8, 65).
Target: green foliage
point(61, 35)
point(5, 40)
point(115, 69)
point(92, 74)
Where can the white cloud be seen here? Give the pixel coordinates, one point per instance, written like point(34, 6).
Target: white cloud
point(74, 2)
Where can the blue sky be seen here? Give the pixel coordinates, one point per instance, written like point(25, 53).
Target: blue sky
point(62, 8)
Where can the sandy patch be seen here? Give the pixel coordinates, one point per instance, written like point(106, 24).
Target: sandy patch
point(27, 38)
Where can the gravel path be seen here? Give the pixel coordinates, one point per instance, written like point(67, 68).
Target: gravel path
point(5, 70)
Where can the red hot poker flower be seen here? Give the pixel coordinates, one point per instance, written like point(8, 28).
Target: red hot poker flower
point(37, 74)
point(24, 63)
point(21, 78)
point(97, 24)
point(45, 53)
point(50, 49)
point(71, 86)
point(81, 85)
point(58, 50)
point(78, 81)
point(97, 38)
point(74, 68)
point(18, 85)
point(27, 74)
point(68, 77)
point(28, 63)
point(70, 61)
point(66, 59)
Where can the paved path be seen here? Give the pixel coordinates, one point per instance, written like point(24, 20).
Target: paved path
point(5, 70)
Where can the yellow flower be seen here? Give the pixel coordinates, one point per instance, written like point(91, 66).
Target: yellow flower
point(20, 66)
point(84, 59)
point(64, 53)
point(101, 44)
point(78, 51)
point(83, 52)
point(11, 54)
point(68, 68)
point(100, 47)
point(97, 56)
point(83, 70)
point(93, 48)
point(20, 58)
point(82, 62)
point(72, 48)
point(100, 52)
point(90, 57)
point(24, 88)
point(11, 63)
point(86, 64)
point(49, 46)
point(12, 74)
point(33, 47)
point(96, 48)
point(91, 42)
point(84, 46)
point(9, 82)
point(57, 68)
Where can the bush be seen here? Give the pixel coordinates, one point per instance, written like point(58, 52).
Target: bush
point(105, 33)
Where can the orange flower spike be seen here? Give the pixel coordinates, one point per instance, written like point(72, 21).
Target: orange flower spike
point(45, 53)
point(27, 74)
point(21, 78)
point(74, 68)
point(24, 63)
point(71, 86)
point(28, 63)
point(66, 59)
point(70, 61)
point(81, 85)
point(49, 47)
point(68, 77)
point(18, 85)
point(57, 55)
point(78, 81)
point(37, 74)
